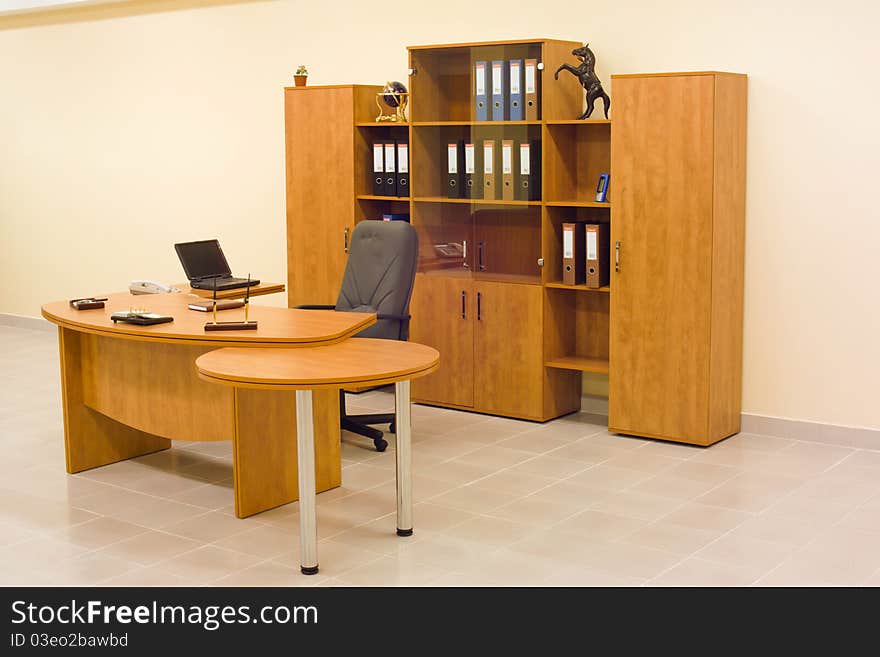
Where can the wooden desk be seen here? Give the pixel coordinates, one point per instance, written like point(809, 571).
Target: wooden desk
point(128, 390)
point(238, 293)
point(363, 361)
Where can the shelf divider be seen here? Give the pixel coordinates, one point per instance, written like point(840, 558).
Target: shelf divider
point(562, 286)
point(577, 204)
point(476, 201)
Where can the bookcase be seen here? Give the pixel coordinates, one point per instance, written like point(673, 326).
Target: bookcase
point(514, 339)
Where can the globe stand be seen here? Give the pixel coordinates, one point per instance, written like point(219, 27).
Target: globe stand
point(399, 115)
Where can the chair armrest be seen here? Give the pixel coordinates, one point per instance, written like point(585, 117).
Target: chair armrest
point(315, 307)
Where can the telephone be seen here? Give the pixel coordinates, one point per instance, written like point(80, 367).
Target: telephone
point(150, 287)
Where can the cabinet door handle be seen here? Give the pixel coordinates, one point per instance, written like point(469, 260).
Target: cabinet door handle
point(463, 304)
point(479, 306)
point(617, 256)
point(464, 254)
point(345, 240)
point(480, 264)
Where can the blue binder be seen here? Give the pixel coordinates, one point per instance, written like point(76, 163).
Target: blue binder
point(516, 89)
point(500, 90)
point(481, 101)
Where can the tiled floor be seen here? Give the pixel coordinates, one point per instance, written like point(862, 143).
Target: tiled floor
point(499, 502)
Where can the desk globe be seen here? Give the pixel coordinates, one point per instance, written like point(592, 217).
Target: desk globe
point(395, 96)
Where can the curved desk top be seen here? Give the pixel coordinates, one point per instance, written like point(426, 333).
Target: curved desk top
point(356, 361)
point(276, 326)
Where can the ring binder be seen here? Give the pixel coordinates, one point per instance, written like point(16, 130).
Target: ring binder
point(500, 90)
point(516, 89)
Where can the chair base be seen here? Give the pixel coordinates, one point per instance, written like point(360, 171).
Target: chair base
point(363, 430)
point(358, 424)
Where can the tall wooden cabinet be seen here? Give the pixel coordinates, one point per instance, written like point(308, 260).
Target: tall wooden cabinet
point(514, 339)
point(324, 163)
point(678, 234)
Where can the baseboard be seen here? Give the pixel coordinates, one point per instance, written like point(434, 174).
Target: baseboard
point(814, 432)
point(25, 322)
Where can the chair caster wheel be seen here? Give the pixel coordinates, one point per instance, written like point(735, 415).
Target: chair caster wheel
point(381, 444)
point(392, 428)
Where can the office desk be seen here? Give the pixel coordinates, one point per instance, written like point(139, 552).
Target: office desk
point(304, 372)
point(237, 293)
point(128, 390)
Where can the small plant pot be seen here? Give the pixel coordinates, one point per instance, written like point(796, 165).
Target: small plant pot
point(300, 80)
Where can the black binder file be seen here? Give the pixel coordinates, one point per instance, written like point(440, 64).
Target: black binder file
point(473, 171)
point(390, 168)
point(402, 168)
point(378, 168)
point(529, 176)
point(455, 169)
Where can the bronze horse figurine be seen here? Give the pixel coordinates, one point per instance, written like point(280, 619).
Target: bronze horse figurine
point(588, 79)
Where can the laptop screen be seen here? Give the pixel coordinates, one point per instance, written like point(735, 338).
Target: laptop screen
point(203, 259)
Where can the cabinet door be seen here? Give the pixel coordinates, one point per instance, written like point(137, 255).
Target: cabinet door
point(320, 191)
point(442, 317)
point(662, 164)
point(508, 358)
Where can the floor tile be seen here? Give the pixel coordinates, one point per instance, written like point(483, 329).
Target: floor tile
point(499, 502)
point(270, 574)
point(150, 547)
point(334, 558)
point(669, 537)
point(628, 560)
point(750, 554)
point(207, 564)
point(697, 572)
point(208, 527)
point(701, 516)
point(391, 572)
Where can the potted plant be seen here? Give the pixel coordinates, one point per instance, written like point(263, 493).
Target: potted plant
point(301, 75)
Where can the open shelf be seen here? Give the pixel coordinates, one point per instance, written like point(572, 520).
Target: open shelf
point(559, 285)
point(574, 156)
point(474, 201)
point(579, 363)
point(577, 204)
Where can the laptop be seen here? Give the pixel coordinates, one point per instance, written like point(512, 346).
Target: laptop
point(206, 266)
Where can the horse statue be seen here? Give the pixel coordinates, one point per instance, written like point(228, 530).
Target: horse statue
point(586, 74)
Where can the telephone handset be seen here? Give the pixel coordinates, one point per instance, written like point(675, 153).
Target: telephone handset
point(150, 287)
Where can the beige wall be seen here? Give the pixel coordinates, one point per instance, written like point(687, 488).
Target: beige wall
point(123, 135)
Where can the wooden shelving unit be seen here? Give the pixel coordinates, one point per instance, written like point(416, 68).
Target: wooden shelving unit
point(514, 340)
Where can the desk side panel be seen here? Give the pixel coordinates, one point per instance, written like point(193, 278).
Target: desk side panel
point(264, 448)
point(90, 438)
point(154, 387)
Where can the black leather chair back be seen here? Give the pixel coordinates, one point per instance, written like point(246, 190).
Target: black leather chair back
point(379, 276)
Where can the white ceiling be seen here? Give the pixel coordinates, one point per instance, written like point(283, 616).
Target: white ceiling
point(9, 6)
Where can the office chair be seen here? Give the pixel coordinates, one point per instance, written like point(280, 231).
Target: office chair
point(379, 277)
